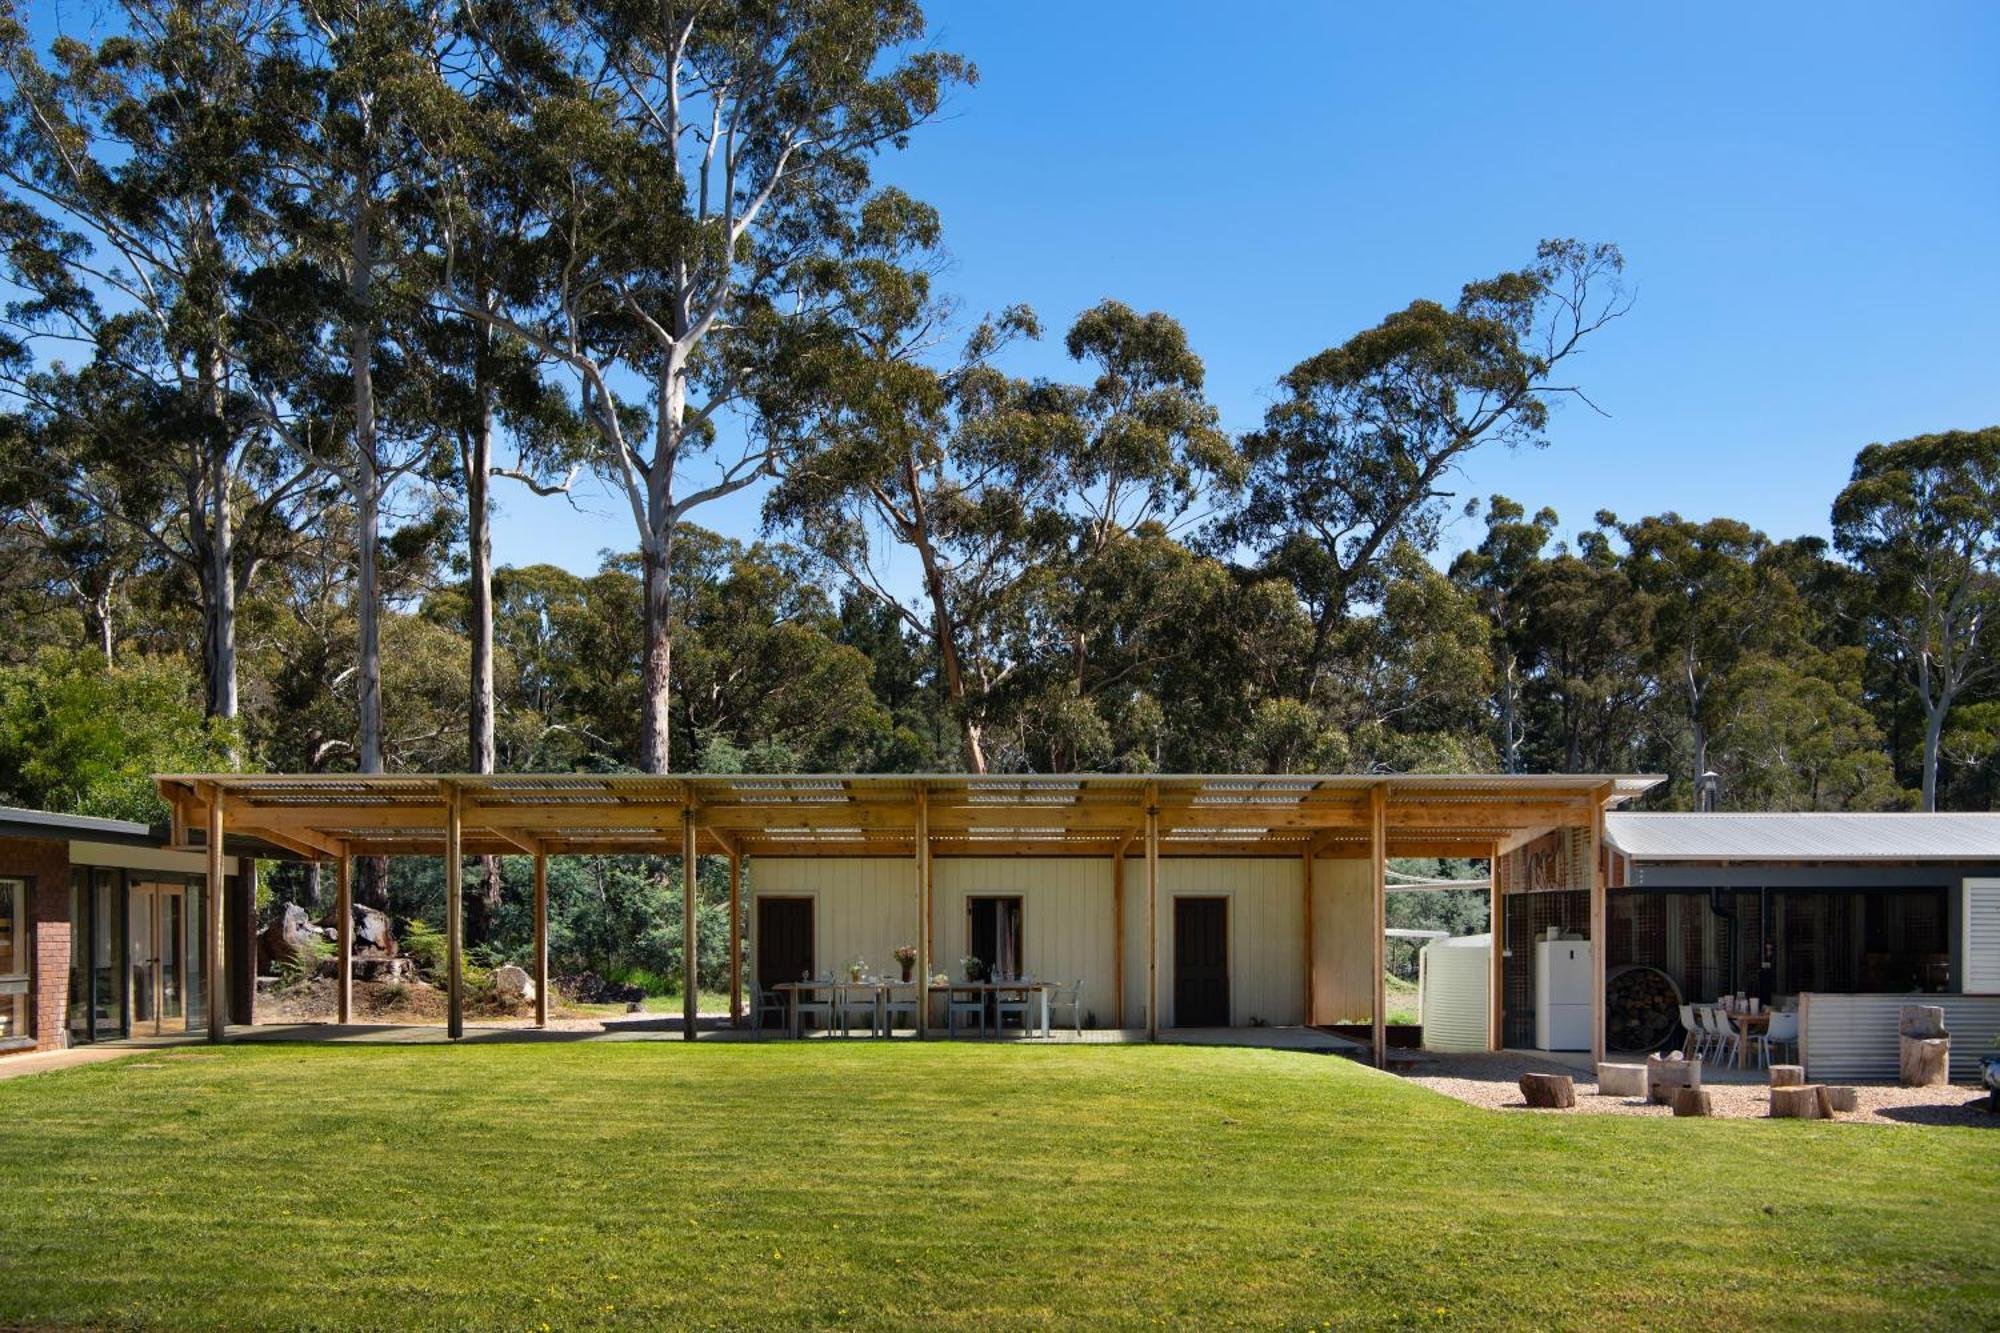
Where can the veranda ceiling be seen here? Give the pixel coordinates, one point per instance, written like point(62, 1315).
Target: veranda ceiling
point(326, 815)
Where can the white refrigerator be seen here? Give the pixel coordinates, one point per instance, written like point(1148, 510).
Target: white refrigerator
point(1563, 978)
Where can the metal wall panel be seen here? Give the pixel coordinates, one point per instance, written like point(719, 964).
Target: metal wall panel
point(1854, 1037)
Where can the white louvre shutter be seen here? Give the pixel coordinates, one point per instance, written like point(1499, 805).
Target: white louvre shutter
point(1982, 937)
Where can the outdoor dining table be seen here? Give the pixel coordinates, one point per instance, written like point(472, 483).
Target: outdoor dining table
point(1746, 1023)
point(1043, 991)
point(877, 989)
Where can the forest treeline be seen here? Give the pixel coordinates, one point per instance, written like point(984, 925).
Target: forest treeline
point(298, 293)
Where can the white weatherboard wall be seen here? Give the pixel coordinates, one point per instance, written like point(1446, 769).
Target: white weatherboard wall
point(863, 906)
point(1843, 1037)
point(1065, 916)
point(1266, 933)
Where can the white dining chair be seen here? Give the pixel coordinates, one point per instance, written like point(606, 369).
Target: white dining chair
point(1721, 1034)
point(1692, 1046)
point(967, 1005)
point(1780, 1038)
point(1069, 997)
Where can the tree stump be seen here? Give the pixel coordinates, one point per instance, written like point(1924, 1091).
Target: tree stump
point(1548, 1091)
point(1926, 1062)
point(1665, 1077)
point(1796, 1103)
point(1921, 1020)
point(1787, 1076)
point(1693, 1102)
point(1842, 1099)
point(1621, 1080)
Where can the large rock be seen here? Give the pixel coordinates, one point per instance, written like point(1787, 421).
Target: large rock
point(290, 935)
point(372, 937)
point(512, 985)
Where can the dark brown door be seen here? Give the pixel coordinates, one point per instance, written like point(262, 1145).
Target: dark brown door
point(784, 940)
point(1201, 962)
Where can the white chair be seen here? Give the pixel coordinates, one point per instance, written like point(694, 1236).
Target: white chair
point(852, 998)
point(1692, 1047)
point(1024, 1005)
point(968, 1005)
point(1721, 1034)
point(1069, 997)
point(902, 999)
point(1781, 1037)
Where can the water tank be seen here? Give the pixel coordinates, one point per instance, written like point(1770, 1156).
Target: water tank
point(1453, 988)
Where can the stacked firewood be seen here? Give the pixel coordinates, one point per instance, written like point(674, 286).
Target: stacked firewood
point(1641, 1010)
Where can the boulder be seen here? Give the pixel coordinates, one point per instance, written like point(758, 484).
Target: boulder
point(372, 936)
point(290, 935)
point(512, 985)
point(403, 970)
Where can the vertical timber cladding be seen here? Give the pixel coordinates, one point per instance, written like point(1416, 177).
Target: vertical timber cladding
point(1547, 885)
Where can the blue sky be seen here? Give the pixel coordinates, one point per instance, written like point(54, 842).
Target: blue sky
point(1808, 198)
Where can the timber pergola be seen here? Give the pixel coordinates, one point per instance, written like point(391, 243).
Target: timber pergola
point(338, 817)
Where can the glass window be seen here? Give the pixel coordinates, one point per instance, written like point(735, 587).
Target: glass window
point(107, 965)
point(79, 955)
point(14, 953)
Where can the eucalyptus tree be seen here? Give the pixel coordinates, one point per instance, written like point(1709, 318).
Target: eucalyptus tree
point(1922, 518)
point(1358, 452)
point(1500, 572)
point(344, 105)
point(1716, 603)
point(686, 164)
point(133, 237)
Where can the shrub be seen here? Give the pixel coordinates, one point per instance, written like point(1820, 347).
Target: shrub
point(303, 966)
point(427, 945)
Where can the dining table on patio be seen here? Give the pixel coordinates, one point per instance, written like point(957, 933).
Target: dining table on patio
point(879, 990)
point(1747, 1024)
point(994, 988)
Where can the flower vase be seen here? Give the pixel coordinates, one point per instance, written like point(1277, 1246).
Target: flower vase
point(908, 965)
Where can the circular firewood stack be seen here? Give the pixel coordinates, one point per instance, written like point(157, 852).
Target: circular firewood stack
point(1642, 1009)
point(1548, 1091)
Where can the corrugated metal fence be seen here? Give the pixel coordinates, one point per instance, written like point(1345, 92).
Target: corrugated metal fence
point(1854, 1037)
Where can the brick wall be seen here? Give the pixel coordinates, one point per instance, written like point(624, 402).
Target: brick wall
point(45, 865)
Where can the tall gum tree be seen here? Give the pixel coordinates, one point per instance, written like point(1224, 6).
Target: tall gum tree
point(132, 229)
point(1922, 518)
point(684, 161)
point(1359, 450)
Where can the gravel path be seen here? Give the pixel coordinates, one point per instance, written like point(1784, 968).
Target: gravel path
point(1493, 1081)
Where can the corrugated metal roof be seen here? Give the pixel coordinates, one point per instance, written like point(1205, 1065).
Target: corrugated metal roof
point(1805, 837)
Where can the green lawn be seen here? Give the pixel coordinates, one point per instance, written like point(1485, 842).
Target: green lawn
point(898, 1185)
